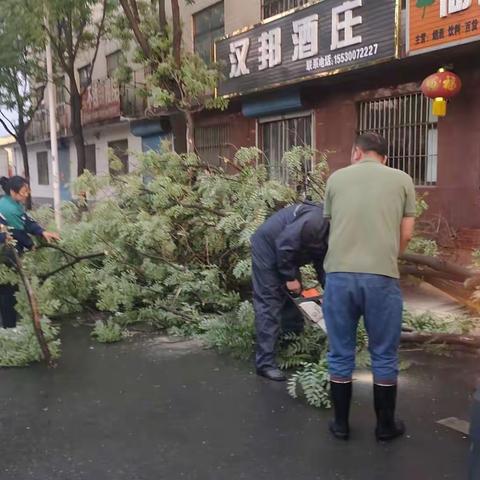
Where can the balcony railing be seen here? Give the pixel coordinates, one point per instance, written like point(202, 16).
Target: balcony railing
point(103, 102)
point(106, 100)
point(39, 128)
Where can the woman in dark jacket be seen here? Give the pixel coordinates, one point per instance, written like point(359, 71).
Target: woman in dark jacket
point(20, 227)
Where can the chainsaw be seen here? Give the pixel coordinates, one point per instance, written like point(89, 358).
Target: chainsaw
point(309, 302)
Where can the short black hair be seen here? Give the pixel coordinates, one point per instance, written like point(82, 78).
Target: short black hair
point(372, 142)
point(14, 183)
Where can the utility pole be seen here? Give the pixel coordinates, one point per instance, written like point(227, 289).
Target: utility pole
point(52, 110)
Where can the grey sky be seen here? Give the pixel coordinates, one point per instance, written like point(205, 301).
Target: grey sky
point(11, 115)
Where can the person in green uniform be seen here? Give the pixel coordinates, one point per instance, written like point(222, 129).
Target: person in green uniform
point(20, 227)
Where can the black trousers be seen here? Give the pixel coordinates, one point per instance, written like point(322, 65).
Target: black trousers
point(274, 312)
point(7, 305)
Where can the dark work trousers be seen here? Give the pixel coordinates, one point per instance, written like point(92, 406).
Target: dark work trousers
point(7, 305)
point(274, 311)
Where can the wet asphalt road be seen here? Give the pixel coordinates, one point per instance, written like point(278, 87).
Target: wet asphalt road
point(146, 410)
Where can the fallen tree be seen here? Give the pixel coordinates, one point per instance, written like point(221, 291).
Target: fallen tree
point(173, 252)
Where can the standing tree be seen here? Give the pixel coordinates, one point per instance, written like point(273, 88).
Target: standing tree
point(21, 45)
point(75, 29)
point(179, 81)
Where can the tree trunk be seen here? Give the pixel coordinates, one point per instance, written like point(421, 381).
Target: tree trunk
point(177, 122)
point(162, 16)
point(428, 273)
point(471, 341)
point(137, 31)
point(26, 167)
point(77, 130)
point(438, 264)
point(190, 132)
point(177, 33)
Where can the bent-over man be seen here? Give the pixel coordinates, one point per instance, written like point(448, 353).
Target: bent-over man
point(290, 238)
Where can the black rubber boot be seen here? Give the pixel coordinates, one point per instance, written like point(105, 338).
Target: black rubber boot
point(384, 400)
point(341, 394)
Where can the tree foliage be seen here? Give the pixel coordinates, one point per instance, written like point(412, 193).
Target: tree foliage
point(75, 29)
point(172, 250)
point(21, 68)
point(179, 81)
point(19, 347)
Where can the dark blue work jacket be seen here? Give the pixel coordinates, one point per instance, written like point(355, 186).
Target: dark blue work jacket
point(292, 237)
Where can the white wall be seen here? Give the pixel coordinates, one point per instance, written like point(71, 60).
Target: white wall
point(99, 136)
point(38, 191)
point(3, 162)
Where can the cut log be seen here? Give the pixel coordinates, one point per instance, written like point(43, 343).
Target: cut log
point(440, 265)
point(426, 273)
point(472, 283)
point(458, 292)
point(471, 341)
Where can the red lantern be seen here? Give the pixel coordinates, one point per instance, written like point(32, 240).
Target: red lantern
point(441, 86)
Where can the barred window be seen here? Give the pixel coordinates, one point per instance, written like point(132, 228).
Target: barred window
point(271, 8)
point(91, 159)
point(120, 150)
point(410, 128)
point(212, 144)
point(113, 63)
point(279, 136)
point(83, 76)
point(42, 168)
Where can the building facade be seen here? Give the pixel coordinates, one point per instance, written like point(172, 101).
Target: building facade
point(311, 73)
point(113, 116)
point(318, 73)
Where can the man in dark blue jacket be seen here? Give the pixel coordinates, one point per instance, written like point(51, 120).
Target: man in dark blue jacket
point(290, 238)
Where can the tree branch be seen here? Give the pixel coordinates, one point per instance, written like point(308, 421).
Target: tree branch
point(37, 326)
point(59, 51)
point(100, 32)
point(439, 264)
point(79, 259)
point(177, 33)
point(162, 16)
point(8, 126)
point(135, 26)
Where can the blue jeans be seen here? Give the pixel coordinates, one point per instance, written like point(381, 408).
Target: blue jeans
point(349, 296)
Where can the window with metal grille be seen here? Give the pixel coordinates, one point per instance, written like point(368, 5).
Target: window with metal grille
point(279, 136)
point(83, 76)
point(42, 168)
point(208, 26)
point(212, 143)
point(113, 63)
point(91, 159)
point(407, 123)
point(271, 8)
point(120, 150)
point(61, 91)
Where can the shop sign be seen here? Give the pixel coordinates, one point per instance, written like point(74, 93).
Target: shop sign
point(435, 24)
point(325, 38)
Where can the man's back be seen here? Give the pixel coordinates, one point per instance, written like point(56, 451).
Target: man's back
point(366, 203)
